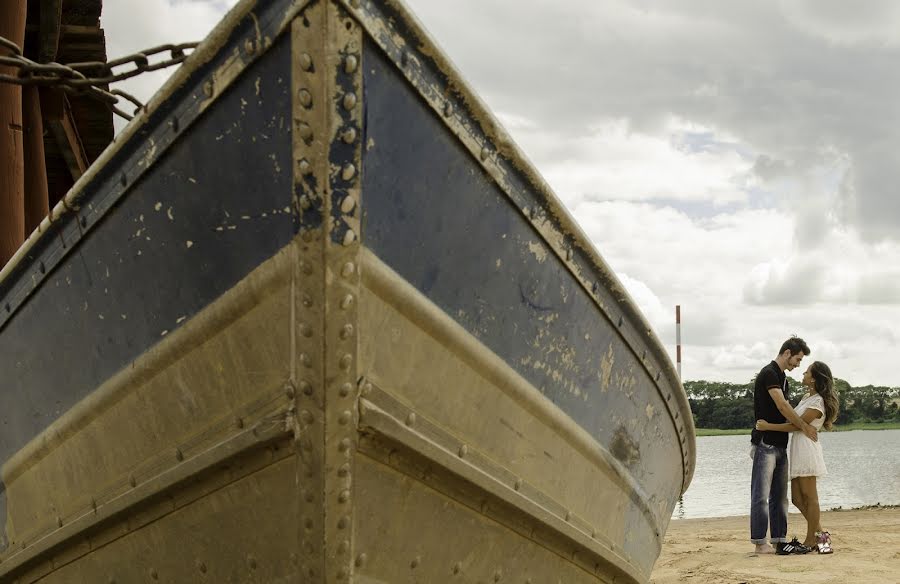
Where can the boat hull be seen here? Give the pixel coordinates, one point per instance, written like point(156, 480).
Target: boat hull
point(314, 318)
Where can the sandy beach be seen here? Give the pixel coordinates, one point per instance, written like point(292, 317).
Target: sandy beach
point(702, 551)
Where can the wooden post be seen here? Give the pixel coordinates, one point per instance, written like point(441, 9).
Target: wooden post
point(12, 176)
point(37, 202)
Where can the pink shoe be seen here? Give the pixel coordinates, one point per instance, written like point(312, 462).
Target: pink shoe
point(823, 542)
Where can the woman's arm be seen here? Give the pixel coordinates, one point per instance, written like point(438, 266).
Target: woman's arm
point(808, 416)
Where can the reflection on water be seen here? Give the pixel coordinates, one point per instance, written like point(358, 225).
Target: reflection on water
point(863, 469)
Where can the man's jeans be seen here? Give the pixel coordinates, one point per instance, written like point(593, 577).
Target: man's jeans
point(768, 494)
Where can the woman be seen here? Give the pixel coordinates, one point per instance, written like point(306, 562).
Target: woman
point(819, 408)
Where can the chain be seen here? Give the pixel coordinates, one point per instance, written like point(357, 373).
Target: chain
point(92, 77)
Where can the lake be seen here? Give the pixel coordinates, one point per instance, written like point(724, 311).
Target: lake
point(863, 469)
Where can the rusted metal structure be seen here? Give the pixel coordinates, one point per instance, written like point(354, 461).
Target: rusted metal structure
point(57, 135)
point(314, 318)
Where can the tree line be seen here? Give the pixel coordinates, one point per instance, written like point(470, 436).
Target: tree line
point(717, 404)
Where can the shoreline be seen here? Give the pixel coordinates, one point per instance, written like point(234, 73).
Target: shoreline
point(718, 549)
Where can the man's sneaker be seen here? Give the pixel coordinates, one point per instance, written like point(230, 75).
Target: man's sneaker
point(823, 542)
point(790, 548)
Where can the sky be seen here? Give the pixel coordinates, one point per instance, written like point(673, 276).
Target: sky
point(739, 159)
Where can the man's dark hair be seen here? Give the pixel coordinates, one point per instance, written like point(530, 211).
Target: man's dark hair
point(796, 345)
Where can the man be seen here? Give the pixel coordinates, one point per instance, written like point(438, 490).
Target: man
point(769, 479)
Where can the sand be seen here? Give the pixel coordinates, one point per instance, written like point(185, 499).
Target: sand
point(866, 550)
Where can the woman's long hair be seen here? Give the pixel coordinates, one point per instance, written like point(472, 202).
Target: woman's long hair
point(824, 382)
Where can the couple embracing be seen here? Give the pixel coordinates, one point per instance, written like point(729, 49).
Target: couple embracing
point(772, 464)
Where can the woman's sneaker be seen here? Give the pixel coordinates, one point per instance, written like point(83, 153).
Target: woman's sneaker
point(823, 542)
point(791, 547)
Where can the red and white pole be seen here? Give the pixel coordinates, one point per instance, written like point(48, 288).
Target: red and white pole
point(678, 338)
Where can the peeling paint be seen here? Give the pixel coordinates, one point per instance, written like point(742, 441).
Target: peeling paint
point(538, 251)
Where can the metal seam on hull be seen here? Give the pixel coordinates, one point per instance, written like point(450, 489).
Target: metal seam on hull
point(74, 212)
point(343, 79)
point(507, 163)
point(267, 279)
point(380, 421)
point(391, 288)
point(237, 444)
point(385, 403)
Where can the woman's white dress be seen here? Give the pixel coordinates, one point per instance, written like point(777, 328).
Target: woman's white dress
point(805, 456)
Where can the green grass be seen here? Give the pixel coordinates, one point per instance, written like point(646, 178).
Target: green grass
point(841, 428)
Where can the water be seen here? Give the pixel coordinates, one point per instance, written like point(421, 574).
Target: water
point(863, 469)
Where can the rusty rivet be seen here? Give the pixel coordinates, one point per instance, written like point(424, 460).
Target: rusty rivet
point(456, 568)
point(343, 522)
point(344, 470)
point(251, 561)
point(344, 496)
point(498, 575)
point(310, 496)
point(361, 559)
point(306, 62)
point(411, 419)
point(485, 152)
point(309, 523)
point(621, 321)
point(305, 359)
point(305, 98)
point(343, 547)
point(346, 361)
point(345, 418)
point(179, 455)
point(345, 389)
point(526, 211)
point(307, 417)
point(463, 450)
point(347, 301)
point(305, 131)
point(349, 237)
point(250, 47)
point(350, 63)
point(306, 268)
point(348, 135)
point(348, 204)
point(59, 522)
point(367, 388)
point(568, 515)
point(569, 254)
point(306, 388)
point(208, 88)
point(348, 172)
point(344, 445)
point(306, 330)
point(343, 574)
point(415, 563)
point(349, 101)
point(348, 269)
point(346, 332)
point(239, 422)
point(305, 168)
point(518, 484)
point(448, 108)
point(132, 480)
point(202, 567)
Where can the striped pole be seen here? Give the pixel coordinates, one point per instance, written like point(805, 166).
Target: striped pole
point(678, 338)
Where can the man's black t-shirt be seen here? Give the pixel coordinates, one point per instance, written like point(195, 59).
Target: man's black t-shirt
point(764, 407)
